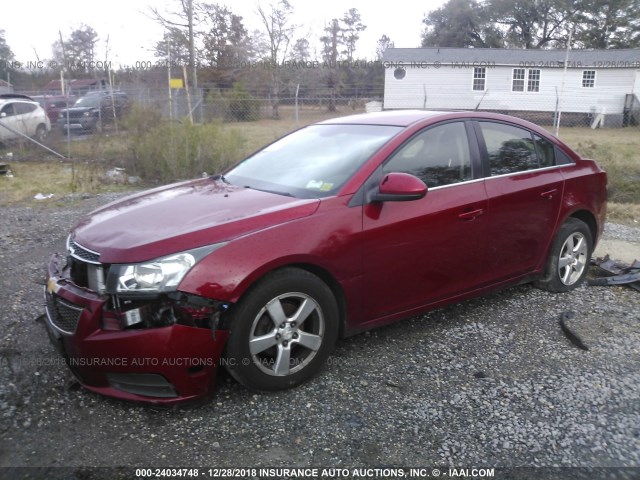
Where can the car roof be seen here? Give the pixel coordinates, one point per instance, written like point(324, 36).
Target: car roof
point(104, 92)
point(405, 118)
point(18, 99)
point(15, 96)
point(400, 118)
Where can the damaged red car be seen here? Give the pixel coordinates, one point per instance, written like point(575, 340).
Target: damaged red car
point(334, 229)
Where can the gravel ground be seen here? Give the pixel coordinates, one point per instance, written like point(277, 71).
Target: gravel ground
point(491, 382)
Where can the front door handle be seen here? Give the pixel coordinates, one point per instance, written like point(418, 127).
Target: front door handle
point(471, 215)
point(549, 194)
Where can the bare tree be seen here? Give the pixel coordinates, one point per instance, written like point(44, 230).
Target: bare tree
point(277, 23)
point(183, 19)
point(383, 43)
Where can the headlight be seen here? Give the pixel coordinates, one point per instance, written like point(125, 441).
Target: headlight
point(160, 275)
point(87, 114)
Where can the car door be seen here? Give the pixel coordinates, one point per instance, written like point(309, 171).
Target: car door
point(9, 119)
point(26, 117)
point(524, 189)
point(420, 251)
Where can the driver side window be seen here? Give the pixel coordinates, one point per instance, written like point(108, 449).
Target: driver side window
point(438, 156)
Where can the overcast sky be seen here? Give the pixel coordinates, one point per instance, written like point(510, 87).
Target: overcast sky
point(31, 27)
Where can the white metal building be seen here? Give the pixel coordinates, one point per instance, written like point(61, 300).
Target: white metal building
point(531, 82)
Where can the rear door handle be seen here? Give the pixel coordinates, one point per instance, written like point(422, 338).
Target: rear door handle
point(467, 216)
point(549, 194)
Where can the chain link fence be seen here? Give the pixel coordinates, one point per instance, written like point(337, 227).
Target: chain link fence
point(238, 105)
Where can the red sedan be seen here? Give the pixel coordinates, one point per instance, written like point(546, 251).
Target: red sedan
point(336, 228)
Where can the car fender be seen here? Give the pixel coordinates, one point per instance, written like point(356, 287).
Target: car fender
point(327, 240)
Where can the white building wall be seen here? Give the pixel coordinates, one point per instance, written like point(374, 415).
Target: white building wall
point(451, 88)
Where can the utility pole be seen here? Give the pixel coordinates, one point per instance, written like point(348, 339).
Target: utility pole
point(192, 48)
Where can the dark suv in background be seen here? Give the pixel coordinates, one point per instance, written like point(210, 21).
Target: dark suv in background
point(93, 111)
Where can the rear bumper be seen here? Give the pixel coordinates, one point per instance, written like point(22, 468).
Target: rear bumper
point(158, 365)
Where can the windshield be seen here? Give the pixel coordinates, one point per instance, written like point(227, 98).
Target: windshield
point(312, 162)
point(88, 101)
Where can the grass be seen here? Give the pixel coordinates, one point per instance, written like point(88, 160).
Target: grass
point(616, 150)
point(60, 178)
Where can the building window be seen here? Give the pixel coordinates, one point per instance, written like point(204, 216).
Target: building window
point(479, 78)
point(519, 76)
point(533, 85)
point(518, 80)
point(588, 78)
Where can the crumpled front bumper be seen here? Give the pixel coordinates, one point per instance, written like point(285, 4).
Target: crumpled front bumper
point(158, 365)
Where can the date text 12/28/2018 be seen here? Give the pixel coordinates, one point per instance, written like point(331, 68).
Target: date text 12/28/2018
point(329, 473)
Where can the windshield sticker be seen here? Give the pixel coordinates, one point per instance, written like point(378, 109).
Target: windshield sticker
point(315, 184)
point(319, 185)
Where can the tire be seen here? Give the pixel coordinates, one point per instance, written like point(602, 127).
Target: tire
point(97, 127)
point(41, 133)
point(569, 258)
point(282, 331)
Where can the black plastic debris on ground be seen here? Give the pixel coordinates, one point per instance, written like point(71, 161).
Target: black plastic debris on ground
point(615, 273)
point(4, 168)
point(570, 334)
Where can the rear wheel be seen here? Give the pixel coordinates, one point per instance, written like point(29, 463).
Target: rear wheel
point(41, 133)
point(282, 331)
point(569, 258)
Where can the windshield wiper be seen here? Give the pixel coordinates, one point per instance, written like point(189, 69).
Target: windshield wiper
point(221, 178)
point(276, 192)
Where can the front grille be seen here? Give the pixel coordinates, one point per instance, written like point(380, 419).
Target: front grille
point(82, 253)
point(147, 384)
point(63, 315)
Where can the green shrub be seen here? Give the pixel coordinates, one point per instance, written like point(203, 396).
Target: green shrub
point(174, 151)
point(141, 118)
point(216, 106)
point(242, 106)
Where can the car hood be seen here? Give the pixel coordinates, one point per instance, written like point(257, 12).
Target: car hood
point(183, 216)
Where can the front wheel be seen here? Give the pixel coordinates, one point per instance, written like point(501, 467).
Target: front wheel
point(282, 330)
point(569, 257)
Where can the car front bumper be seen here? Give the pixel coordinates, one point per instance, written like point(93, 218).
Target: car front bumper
point(82, 123)
point(161, 365)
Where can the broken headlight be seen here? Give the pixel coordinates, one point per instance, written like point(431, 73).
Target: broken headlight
point(160, 275)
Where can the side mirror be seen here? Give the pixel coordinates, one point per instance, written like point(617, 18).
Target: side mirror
point(399, 187)
point(3, 114)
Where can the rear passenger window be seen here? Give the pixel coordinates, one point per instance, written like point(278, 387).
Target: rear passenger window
point(562, 158)
point(546, 152)
point(511, 149)
point(22, 108)
point(438, 156)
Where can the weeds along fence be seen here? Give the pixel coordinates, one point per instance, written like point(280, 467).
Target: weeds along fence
point(238, 105)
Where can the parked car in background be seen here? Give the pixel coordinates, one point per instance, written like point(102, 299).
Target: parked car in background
point(334, 229)
point(21, 115)
point(54, 104)
point(94, 111)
